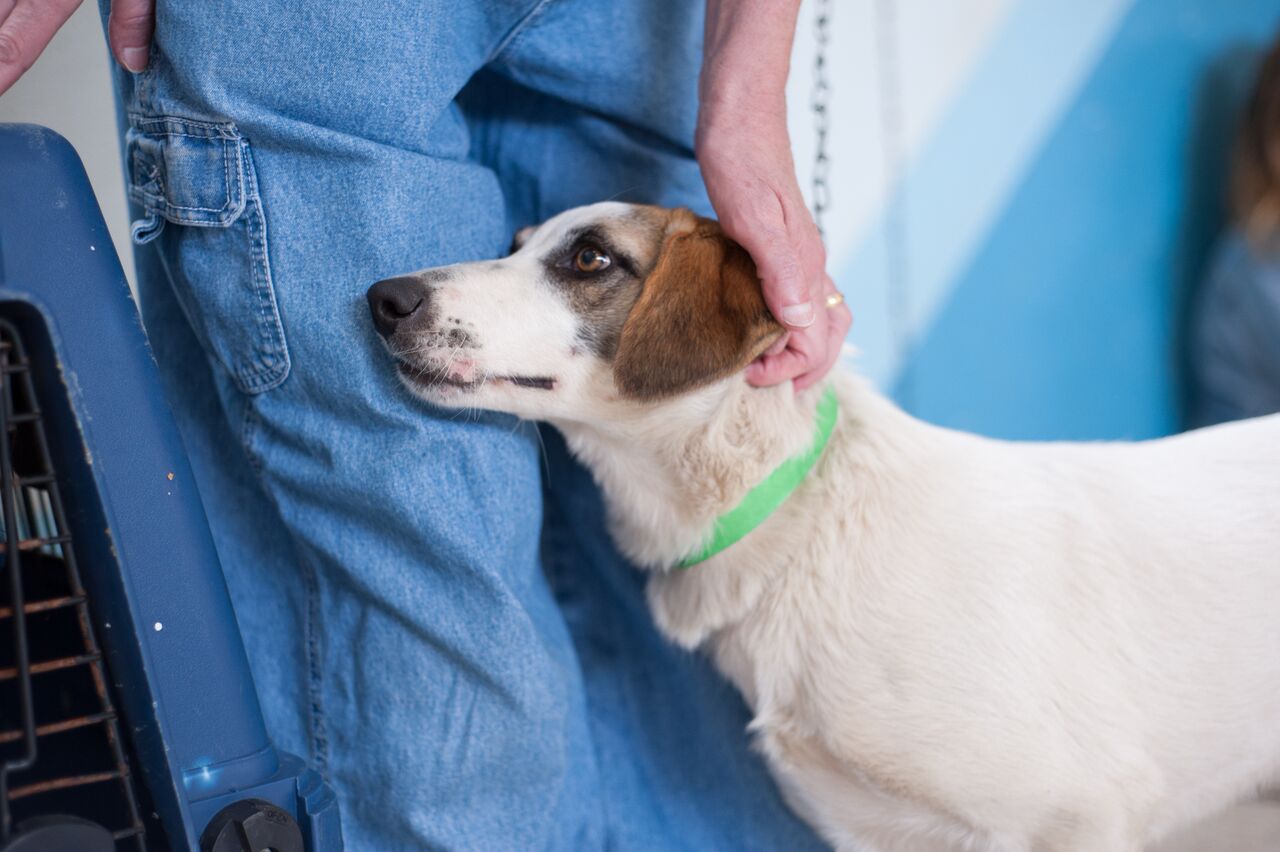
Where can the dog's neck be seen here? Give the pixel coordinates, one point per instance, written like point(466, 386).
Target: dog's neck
point(668, 471)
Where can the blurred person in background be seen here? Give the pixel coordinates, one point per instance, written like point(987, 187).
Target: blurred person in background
point(1235, 331)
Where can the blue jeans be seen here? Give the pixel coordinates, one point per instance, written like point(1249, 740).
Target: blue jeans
point(1235, 335)
point(435, 616)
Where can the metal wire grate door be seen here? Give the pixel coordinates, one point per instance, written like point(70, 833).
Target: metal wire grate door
point(60, 745)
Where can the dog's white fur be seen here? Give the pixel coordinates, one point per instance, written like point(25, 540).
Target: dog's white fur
point(947, 642)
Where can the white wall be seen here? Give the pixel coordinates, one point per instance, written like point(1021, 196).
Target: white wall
point(69, 90)
point(886, 58)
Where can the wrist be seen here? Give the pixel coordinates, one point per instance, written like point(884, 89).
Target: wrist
point(731, 104)
point(746, 60)
point(733, 130)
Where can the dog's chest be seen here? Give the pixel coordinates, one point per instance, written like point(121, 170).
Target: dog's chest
point(835, 760)
point(799, 682)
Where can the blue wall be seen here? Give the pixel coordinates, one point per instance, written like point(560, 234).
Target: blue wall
point(1065, 322)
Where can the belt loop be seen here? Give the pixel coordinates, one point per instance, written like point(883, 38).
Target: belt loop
point(147, 229)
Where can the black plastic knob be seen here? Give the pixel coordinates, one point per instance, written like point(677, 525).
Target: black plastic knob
point(251, 825)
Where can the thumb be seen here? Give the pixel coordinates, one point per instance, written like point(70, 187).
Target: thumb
point(782, 279)
point(129, 29)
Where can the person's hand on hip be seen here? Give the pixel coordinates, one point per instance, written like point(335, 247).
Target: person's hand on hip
point(27, 27)
point(745, 153)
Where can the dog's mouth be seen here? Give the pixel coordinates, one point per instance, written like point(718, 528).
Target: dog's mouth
point(536, 382)
point(438, 376)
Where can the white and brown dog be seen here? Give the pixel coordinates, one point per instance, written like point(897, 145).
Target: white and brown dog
point(947, 642)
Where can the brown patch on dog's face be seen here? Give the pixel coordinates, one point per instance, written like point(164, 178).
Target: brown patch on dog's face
point(700, 315)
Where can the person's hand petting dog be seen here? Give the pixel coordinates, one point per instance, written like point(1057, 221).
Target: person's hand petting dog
point(742, 143)
point(27, 27)
point(745, 153)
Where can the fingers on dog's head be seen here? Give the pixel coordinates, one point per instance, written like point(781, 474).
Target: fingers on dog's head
point(700, 315)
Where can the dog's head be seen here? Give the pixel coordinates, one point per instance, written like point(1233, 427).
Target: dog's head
point(606, 304)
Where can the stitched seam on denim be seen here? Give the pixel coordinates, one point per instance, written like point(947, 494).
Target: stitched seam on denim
point(521, 26)
point(248, 422)
point(227, 186)
point(158, 205)
point(271, 337)
point(146, 83)
point(227, 134)
point(241, 184)
point(316, 726)
point(161, 200)
point(315, 672)
point(223, 129)
point(223, 216)
point(165, 128)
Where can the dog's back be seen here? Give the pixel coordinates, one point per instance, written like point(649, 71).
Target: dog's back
point(1195, 522)
point(1056, 644)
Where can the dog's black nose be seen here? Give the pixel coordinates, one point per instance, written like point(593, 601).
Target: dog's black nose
point(395, 300)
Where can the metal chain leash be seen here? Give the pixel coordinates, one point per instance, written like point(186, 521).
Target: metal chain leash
point(897, 260)
point(897, 268)
point(819, 101)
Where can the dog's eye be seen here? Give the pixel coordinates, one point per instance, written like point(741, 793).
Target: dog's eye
point(591, 259)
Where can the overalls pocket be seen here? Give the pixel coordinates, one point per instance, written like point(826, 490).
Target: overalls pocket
point(198, 191)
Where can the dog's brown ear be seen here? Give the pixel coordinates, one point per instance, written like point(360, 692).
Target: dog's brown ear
point(521, 237)
point(700, 315)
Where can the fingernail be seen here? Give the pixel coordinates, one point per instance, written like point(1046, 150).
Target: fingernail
point(799, 315)
point(135, 58)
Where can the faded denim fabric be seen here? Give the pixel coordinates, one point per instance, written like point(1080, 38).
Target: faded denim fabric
point(466, 675)
point(1235, 349)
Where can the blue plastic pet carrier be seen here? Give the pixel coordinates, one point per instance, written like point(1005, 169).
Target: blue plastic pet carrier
point(128, 718)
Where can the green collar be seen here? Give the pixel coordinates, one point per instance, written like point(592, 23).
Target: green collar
point(763, 500)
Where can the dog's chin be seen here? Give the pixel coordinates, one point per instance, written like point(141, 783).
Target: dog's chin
point(438, 384)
